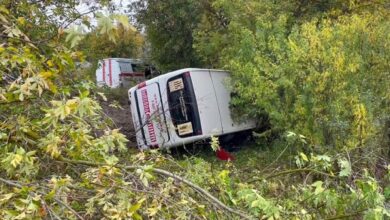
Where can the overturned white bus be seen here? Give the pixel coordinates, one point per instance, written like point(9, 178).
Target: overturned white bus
point(181, 107)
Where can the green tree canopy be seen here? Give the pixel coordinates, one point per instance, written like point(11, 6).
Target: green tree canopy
point(315, 68)
point(169, 29)
point(129, 44)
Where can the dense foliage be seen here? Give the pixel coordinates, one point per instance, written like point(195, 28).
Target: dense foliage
point(119, 40)
point(59, 153)
point(169, 29)
point(318, 69)
point(321, 75)
point(128, 42)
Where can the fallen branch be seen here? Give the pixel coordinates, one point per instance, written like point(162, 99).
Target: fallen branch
point(69, 208)
point(273, 162)
point(200, 190)
point(296, 171)
point(197, 188)
point(18, 185)
point(289, 172)
point(346, 216)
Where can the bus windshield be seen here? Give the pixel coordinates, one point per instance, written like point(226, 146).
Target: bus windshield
point(183, 107)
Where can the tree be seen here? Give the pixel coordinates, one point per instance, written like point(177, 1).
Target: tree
point(169, 29)
point(319, 70)
point(128, 43)
point(284, 61)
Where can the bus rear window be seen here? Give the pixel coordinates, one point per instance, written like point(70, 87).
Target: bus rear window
point(125, 67)
point(183, 107)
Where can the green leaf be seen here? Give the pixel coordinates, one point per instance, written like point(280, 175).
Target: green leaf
point(75, 35)
point(345, 168)
point(318, 187)
point(136, 206)
point(105, 26)
point(111, 160)
point(124, 21)
point(386, 192)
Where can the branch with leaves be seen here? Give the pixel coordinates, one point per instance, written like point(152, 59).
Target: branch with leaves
point(165, 173)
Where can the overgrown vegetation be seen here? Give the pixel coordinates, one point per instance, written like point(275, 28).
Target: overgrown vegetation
point(318, 70)
point(123, 41)
point(169, 25)
point(59, 155)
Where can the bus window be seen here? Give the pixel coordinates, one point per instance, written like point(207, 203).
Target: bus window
point(137, 67)
point(125, 67)
point(183, 107)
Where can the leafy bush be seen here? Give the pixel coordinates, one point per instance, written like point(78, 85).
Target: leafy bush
point(325, 78)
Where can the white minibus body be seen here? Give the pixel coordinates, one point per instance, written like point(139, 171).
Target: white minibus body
point(112, 72)
point(182, 107)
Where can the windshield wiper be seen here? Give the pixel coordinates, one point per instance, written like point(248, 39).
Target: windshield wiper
point(183, 107)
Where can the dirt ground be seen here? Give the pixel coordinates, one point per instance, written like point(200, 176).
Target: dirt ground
point(118, 109)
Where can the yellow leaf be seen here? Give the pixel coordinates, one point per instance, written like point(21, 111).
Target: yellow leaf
point(52, 87)
point(60, 31)
point(21, 216)
point(16, 160)
point(66, 111)
point(21, 20)
point(40, 90)
point(46, 74)
point(304, 157)
point(153, 211)
point(50, 63)
point(5, 197)
point(21, 97)
point(71, 105)
point(103, 96)
point(2, 97)
point(4, 10)
point(53, 150)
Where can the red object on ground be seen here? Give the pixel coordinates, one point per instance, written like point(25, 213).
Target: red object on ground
point(224, 155)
